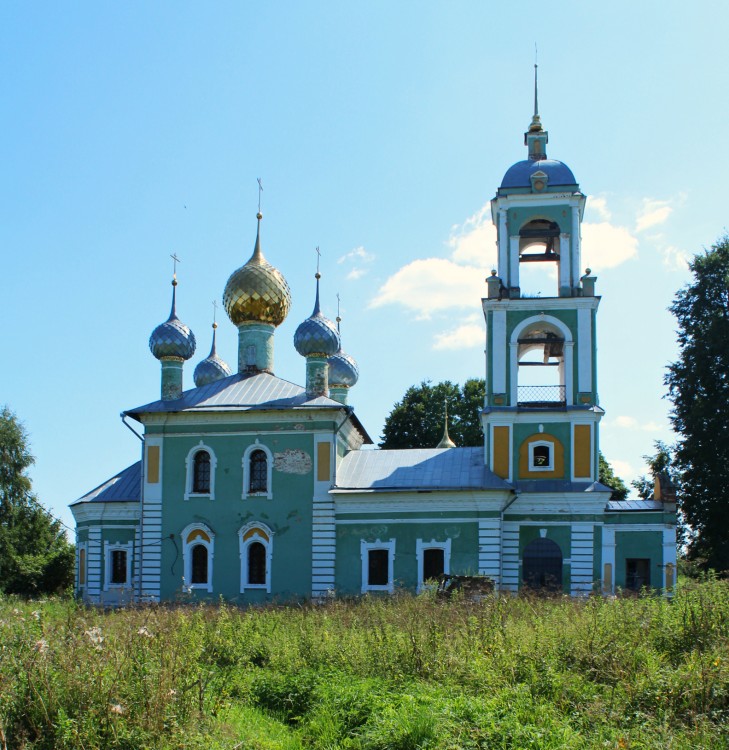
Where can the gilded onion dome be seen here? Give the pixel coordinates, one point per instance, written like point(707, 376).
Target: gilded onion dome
point(172, 338)
point(343, 370)
point(212, 368)
point(317, 335)
point(257, 292)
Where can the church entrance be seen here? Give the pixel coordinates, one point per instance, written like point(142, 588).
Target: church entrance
point(542, 565)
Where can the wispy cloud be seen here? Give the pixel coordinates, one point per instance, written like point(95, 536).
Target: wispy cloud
point(631, 423)
point(606, 245)
point(652, 213)
point(598, 205)
point(470, 334)
point(675, 258)
point(624, 469)
point(474, 241)
point(357, 258)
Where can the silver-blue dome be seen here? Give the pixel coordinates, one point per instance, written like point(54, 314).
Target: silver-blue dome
point(343, 370)
point(172, 338)
point(519, 174)
point(317, 335)
point(212, 368)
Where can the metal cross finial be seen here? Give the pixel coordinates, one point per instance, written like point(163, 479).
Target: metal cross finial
point(318, 258)
point(215, 311)
point(260, 190)
point(175, 260)
point(339, 317)
point(536, 105)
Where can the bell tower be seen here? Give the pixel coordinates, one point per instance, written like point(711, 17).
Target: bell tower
point(542, 410)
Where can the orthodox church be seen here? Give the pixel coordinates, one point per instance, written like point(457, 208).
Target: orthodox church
point(253, 488)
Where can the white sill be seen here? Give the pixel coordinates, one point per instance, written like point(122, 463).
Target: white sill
point(541, 468)
point(259, 586)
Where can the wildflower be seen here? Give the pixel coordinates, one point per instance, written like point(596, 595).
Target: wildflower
point(16, 611)
point(41, 646)
point(717, 662)
point(172, 692)
point(118, 709)
point(145, 632)
point(95, 636)
point(36, 614)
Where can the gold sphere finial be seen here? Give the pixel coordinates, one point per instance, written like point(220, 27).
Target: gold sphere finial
point(317, 275)
point(215, 325)
point(174, 281)
point(259, 216)
point(588, 271)
point(493, 272)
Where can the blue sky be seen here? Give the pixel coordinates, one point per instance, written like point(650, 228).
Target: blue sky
point(381, 131)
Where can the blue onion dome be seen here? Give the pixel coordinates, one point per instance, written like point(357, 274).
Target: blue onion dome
point(317, 335)
point(172, 338)
point(257, 292)
point(343, 370)
point(519, 174)
point(212, 368)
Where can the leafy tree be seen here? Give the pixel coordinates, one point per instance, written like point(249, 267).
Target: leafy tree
point(698, 386)
point(607, 476)
point(660, 463)
point(417, 420)
point(35, 557)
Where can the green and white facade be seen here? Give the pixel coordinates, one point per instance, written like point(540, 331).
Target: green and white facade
point(255, 489)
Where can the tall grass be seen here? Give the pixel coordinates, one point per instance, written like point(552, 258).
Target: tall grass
point(400, 672)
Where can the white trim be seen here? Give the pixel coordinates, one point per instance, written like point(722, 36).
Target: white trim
point(187, 555)
point(576, 249)
point(438, 521)
point(584, 350)
point(190, 471)
point(565, 270)
point(542, 304)
point(109, 549)
point(514, 269)
point(85, 547)
point(365, 548)
point(551, 446)
point(421, 547)
point(260, 529)
point(498, 348)
point(246, 461)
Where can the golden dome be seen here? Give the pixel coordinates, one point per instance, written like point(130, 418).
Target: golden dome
point(257, 292)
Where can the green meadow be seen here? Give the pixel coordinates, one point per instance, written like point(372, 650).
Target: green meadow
point(381, 673)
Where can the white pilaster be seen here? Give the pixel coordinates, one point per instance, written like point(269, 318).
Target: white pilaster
point(513, 261)
point(583, 552)
point(510, 557)
point(608, 557)
point(576, 244)
point(489, 549)
point(498, 360)
point(503, 247)
point(584, 350)
point(565, 272)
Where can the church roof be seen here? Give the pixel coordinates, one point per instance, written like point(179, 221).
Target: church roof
point(635, 505)
point(121, 488)
point(417, 469)
point(518, 175)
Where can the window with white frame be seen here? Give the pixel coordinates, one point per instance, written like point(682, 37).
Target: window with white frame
point(81, 564)
point(257, 471)
point(434, 560)
point(378, 565)
point(198, 547)
point(256, 552)
point(117, 565)
point(200, 464)
point(541, 456)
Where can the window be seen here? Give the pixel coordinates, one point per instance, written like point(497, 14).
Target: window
point(201, 473)
point(257, 471)
point(434, 559)
point(378, 560)
point(541, 456)
point(81, 565)
point(200, 464)
point(256, 547)
point(117, 565)
point(637, 573)
point(542, 565)
point(198, 551)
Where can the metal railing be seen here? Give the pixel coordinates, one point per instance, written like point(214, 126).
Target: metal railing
point(541, 396)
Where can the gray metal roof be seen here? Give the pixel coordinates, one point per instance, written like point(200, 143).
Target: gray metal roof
point(122, 487)
point(635, 505)
point(560, 485)
point(417, 469)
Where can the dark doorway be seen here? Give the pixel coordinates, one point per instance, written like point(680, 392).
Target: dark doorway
point(433, 563)
point(542, 565)
point(637, 573)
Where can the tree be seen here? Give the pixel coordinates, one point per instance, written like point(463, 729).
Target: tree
point(417, 420)
point(607, 476)
point(35, 557)
point(660, 463)
point(698, 387)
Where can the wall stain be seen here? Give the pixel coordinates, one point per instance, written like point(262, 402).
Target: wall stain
point(292, 461)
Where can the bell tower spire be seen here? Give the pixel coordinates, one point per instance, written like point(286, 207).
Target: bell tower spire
point(536, 138)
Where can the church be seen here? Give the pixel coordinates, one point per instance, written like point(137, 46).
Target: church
point(255, 489)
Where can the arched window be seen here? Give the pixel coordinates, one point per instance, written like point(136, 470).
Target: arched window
point(200, 464)
point(201, 473)
point(257, 471)
point(542, 565)
point(198, 548)
point(256, 547)
point(434, 559)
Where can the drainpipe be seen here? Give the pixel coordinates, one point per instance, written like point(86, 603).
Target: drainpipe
point(501, 519)
point(138, 557)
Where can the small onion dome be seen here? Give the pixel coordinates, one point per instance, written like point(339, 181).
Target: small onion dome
point(257, 292)
point(172, 338)
point(317, 335)
point(212, 368)
point(445, 441)
point(343, 370)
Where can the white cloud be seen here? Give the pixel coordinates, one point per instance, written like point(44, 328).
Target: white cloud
point(468, 335)
point(474, 241)
point(355, 273)
point(605, 245)
point(624, 469)
point(432, 285)
point(631, 423)
point(598, 206)
point(358, 255)
point(675, 258)
point(652, 213)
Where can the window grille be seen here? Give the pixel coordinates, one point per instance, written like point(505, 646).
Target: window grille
point(201, 473)
point(259, 472)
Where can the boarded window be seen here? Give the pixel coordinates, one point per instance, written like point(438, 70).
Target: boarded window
point(433, 563)
point(256, 563)
point(118, 566)
point(201, 473)
point(258, 472)
point(378, 567)
point(199, 572)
